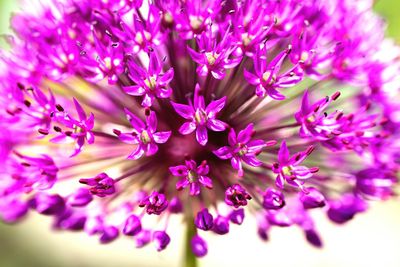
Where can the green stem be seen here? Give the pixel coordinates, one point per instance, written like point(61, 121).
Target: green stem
point(190, 259)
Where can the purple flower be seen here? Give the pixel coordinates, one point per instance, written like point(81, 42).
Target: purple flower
point(201, 117)
point(267, 78)
point(74, 69)
point(81, 128)
point(196, 17)
point(150, 83)
point(288, 168)
point(242, 148)
point(315, 122)
point(144, 135)
point(214, 57)
point(101, 185)
point(35, 173)
point(156, 203)
point(236, 196)
point(193, 175)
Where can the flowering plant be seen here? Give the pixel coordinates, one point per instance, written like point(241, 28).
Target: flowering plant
point(115, 111)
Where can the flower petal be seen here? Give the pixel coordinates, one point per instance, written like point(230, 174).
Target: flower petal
point(206, 181)
point(187, 128)
point(161, 137)
point(223, 152)
point(135, 90)
point(216, 125)
point(215, 106)
point(137, 153)
point(283, 154)
point(185, 111)
point(202, 135)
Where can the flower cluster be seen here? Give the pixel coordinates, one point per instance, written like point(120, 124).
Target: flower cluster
point(197, 109)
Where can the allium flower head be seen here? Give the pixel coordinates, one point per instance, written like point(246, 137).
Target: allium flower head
point(113, 112)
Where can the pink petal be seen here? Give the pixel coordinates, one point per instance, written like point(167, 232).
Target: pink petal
point(202, 135)
point(152, 149)
point(223, 152)
point(216, 125)
point(255, 145)
point(167, 77)
point(183, 183)
point(151, 121)
point(251, 78)
point(198, 98)
point(194, 189)
point(215, 106)
point(283, 154)
point(206, 181)
point(252, 161)
point(79, 110)
point(280, 181)
point(180, 170)
point(128, 138)
point(135, 90)
point(136, 123)
point(161, 137)
point(232, 140)
point(137, 153)
point(244, 135)
point(202, 70)
point(154, 65)
point(187, 128)
point(62, 139)
point(203, 169)
point(148, 100)
point(185, 111)
point(218, 74)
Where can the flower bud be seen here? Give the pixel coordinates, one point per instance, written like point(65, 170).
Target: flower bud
point(161, 240)
point(132, 226)
point(273, 199)
point(312, 199)
point(204, 220)
point(199, 246)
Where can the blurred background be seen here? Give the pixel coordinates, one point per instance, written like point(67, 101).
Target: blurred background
point(371, 239)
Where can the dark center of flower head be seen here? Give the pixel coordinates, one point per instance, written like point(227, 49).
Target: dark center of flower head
point(184, 104)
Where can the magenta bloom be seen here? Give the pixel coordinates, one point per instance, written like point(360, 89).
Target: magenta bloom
point(236, 196)
point(150, 83)
point(201, 117)
point(154, 203)
point(267, 78)
point(193, 176)
point(158, 96)
point(144, 135)
point(242, 148)
point(288, 168)
point(101, 185)
point(214, 58)
point(80, 128)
